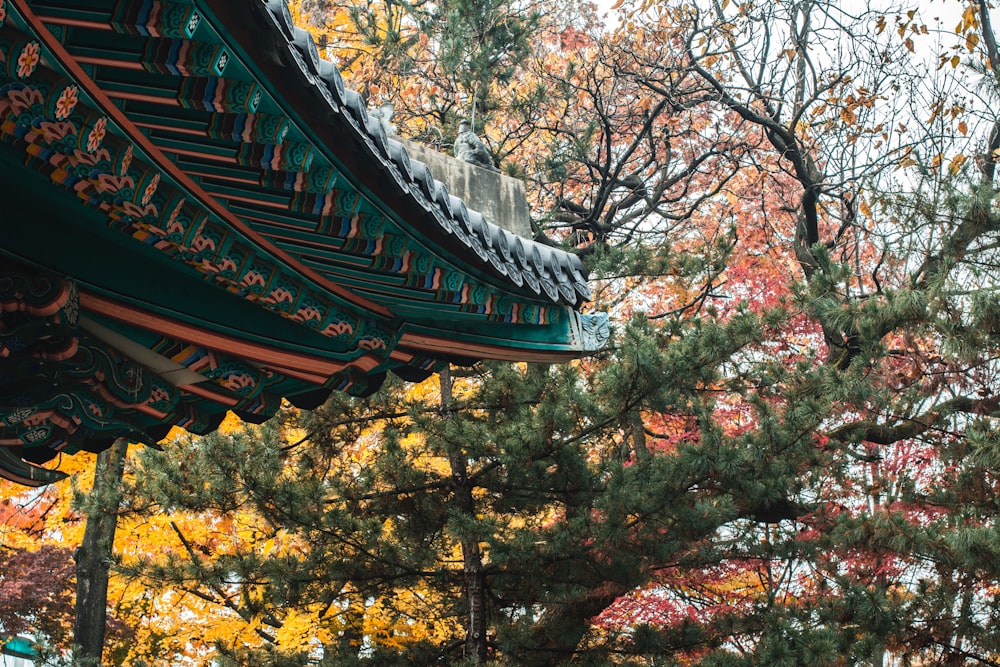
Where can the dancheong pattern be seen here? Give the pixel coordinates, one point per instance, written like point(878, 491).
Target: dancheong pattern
point(204, 218)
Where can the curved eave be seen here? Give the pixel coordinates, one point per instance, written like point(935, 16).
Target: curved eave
point(192, 264)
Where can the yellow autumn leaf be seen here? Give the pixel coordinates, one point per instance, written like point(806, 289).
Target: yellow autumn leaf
point(956, 163)
point(297, 630)
point(969, 19)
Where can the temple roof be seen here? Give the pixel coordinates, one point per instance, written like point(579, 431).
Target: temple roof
point(199, 217)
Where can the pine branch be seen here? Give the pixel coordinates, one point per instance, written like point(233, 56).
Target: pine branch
point(884, 434)
point(224, 600)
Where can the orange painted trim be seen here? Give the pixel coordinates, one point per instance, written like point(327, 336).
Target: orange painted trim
point(366, 363)
point(435, 346)
point(227, 179)
point(152, 412)
point(221, 399)
point(250, 200)
point(110, 62)
point(175, 130)
point(311, 378)
point(204, 156)
point(289, 226)
point(261, 354)
point(75, 23)
point(399, 355)
point(103, 100)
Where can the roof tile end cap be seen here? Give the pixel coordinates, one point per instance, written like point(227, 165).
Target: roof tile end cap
point(594, 331)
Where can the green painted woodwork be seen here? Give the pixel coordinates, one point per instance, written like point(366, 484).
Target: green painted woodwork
point(237, 229)
point(132, 272)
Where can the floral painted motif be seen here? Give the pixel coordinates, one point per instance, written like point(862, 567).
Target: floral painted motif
point(18, 415)
point(23, 99)
point(3, 12)
point(96, 135)
point(28, 60)
point(126, 161)
point(371, 343)
point(147, 195)
point(67, 102)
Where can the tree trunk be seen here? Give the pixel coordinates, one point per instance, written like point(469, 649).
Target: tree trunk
point(93, 557)
point(472, 561)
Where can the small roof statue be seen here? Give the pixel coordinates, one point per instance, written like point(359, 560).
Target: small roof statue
point(384, 115)
point(470, 148)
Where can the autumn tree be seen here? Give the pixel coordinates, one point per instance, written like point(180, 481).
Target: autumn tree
point(849, 548)
point(436, 63)
point(41, 531)
point(464, 477)
point(36, 573)
point(481, 524)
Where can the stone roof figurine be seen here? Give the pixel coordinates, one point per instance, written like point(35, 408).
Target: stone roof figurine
point(384, 115)
point(470, 148)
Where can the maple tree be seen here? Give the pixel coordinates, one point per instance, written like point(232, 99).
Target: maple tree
point(35, 585)
point(40, 531)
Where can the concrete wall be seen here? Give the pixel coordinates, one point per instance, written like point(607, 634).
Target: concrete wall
point(500, 198)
